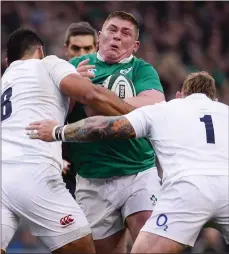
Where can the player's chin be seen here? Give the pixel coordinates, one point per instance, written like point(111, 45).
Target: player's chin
point(113, 53)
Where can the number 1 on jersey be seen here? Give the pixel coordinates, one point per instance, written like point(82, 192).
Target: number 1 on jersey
point(210, 134)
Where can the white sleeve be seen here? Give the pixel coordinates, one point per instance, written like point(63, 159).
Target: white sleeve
point(139, 121)
point(58, 68)
point(142, 119)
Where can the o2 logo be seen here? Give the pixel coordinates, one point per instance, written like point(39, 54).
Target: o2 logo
point(161, 221)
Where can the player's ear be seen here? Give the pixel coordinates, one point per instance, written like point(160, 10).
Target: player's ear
point(136, 46)
point(179, 95)
point(41, 52)
point(97, 44)
point(99, 36)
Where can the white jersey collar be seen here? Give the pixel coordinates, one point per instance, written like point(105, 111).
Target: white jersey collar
point(125, 60)
point(197, 96)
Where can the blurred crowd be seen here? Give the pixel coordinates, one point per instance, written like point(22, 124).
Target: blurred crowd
point(176, 38)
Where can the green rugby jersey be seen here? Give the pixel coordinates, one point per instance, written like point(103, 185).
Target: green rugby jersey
point(114, 158)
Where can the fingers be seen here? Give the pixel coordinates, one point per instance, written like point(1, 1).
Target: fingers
point(83, 62)
point(41, 130)
point(87, 74)
point(33, 134)
point(37, 122)
point(34, 137)
point(66, 167)
point(64, 171)
point(85, 68)
point(33, 127)
point(88, 79)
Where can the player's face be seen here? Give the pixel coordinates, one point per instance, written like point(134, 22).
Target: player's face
point(117, 40)
point(80, 45)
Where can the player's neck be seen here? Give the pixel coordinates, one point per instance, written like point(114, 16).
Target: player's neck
point(35, 55)
point(107, 59)
point(29, 57)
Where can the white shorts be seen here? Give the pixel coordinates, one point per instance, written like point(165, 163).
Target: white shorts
point(107, 202)
point(187, 204)
point(36, 194)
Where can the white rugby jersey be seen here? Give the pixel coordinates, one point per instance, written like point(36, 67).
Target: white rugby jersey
point(30, 92)
point(190, 135)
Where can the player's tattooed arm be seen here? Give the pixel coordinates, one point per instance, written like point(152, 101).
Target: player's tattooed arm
point(88, 130)
point(97, 128)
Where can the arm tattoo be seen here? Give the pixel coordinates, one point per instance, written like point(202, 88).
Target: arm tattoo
point(97, 128)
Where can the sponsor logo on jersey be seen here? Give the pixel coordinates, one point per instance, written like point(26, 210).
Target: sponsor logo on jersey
point(154, 200)
point(125, 71)
point(92, 70)
point(66, 220)
point(161, 221)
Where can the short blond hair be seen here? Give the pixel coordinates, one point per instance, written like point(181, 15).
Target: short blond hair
point(199, 82)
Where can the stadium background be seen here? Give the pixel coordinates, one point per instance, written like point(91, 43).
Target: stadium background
point(176, 38)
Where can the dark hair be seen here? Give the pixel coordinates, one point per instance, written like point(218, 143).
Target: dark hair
point(200, 82)
point(124, 16)
point(80, 28)
point(22, 42)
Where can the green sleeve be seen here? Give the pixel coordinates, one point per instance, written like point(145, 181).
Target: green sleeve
point(76, 60)
point(146, 78)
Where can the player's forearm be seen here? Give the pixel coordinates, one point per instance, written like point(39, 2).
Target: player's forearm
point(97, 128)
point(146, 98)
point(100, 99)
point(105, 102)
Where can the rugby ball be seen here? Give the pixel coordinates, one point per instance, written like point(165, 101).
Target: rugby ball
point(120, 85)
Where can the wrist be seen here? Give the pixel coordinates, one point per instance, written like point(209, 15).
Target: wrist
point(58, 133)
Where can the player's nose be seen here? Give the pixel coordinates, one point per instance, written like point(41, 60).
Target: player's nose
point(82, 52)
point(117, 36)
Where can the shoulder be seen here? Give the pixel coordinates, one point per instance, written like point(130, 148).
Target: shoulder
point(145, 77)
point(175, 103)
point(221, 106)
point(52, 60)
point(153, 112)
point(142, 69)
point(56, 67)
point(155, 107)
point(140, 63)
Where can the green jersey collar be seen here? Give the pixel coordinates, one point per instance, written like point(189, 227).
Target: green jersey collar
point(125, 60)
